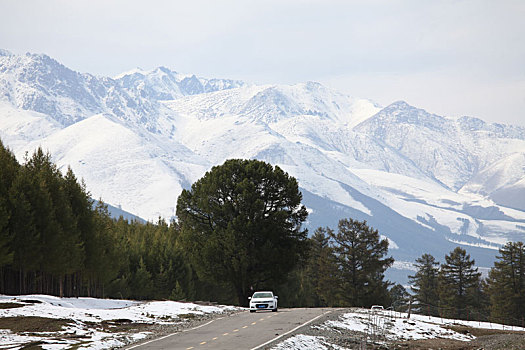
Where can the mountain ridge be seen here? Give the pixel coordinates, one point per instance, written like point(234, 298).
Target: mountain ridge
point(139, 139)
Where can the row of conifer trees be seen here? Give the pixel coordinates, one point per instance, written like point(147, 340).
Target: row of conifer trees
point(54, 240)
point(457, 289)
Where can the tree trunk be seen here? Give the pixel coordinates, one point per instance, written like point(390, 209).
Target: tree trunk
point(20, 281)
point(241, 296)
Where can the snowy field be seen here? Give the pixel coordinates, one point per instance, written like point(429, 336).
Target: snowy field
point(386, 326)
point(85, 317)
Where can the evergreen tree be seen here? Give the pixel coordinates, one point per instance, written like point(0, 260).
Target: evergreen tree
point(506, 284)
point(142, 283)
point(54, 219)
point(323, 269)
point(109, 253)
point(399, 297)
point(26, 237)
point(53, 241)
point(9, 169)
point(459, 283)
point(361, 257)
point(425, 285)
point(241, 224)
point(6, 253)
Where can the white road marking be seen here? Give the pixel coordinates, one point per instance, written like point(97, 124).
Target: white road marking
point(169, 335)
point(296, 328)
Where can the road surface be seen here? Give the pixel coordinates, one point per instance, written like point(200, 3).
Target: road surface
point(239, 331)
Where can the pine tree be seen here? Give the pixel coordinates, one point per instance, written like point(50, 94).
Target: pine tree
point(459, 283)
point(59, 238)
point(425, 285)
point(361, 257)
point(323, 269)
point(142, 283)
point(241, 224)
point(399, 297)
point(506, 284)
point(26, 237)
point(9, 169)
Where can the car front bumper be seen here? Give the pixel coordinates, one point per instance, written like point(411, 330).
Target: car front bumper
point(262, 305)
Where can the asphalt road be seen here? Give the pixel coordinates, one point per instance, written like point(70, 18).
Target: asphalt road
point(239, 331)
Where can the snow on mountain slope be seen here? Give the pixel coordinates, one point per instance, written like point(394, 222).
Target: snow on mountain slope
point(164, 84)
point(125, 167)
point(332, 161)
point(464, 214)
point(270, 103)
point(232, 137)
point(236, 124)
point(18, 126)
point(419, 136)
point(504, 181)
point(451, 151)
point(426, 182)
point(40, 83)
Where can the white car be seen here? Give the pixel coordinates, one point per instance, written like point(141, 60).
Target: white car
point(263, 301)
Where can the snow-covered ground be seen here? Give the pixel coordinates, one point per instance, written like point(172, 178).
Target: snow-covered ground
point(84, 316)
point(93, 323)
point(384, 326)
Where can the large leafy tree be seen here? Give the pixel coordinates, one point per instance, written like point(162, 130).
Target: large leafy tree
point(361, 256)
point(459, 284)
point(241, 225)
point(506, 283)
point(425, 284)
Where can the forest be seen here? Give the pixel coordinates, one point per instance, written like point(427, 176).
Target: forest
point(54, 240)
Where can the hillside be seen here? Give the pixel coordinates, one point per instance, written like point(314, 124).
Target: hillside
point(427, 182)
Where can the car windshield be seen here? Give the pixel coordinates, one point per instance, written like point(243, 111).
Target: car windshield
point(262, 295)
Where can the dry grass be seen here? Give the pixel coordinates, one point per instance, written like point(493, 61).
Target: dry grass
point(479, 332)
point(32, 324)
point(10, 305)
point(487, 339)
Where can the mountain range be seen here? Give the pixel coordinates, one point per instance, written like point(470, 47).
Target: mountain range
point(428, 183)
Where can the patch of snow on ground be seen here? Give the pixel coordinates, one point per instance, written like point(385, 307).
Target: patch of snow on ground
point(384, 326)
point(395, 328)
point(83, 310)
point(305, 342)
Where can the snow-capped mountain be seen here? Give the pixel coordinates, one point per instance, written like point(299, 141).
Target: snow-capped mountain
point(426, 182)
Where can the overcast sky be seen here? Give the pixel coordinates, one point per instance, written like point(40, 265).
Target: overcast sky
point(451, 58)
